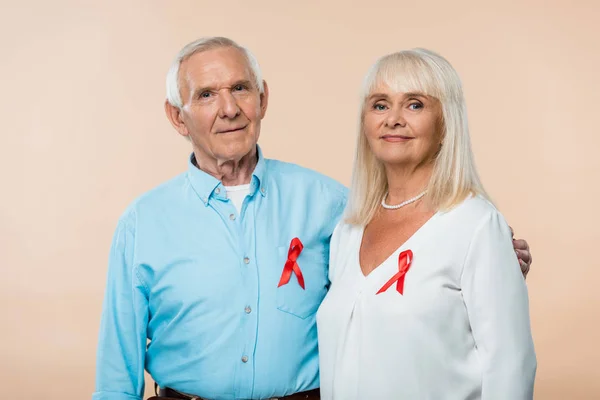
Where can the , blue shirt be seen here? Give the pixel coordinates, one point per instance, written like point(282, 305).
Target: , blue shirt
point(192, 292)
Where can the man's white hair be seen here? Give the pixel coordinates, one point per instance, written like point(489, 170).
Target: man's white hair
point(197, 46)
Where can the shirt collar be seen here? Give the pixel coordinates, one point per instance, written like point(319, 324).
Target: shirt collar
point(207, 186)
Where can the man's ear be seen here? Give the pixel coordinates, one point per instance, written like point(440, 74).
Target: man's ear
point(175, 118)
point(264, 100)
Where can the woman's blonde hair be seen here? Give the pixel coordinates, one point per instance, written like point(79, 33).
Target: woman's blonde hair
point(454, 175)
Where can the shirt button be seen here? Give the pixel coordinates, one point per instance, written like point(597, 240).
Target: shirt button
point(218, 190)
point(245, 359)
point(246, 260)
point(232, 217)
point(263, 190)
point(248, 310)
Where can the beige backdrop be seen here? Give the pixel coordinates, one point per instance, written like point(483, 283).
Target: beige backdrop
point(83, 133)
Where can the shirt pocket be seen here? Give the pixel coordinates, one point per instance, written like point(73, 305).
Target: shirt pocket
point(291, 298)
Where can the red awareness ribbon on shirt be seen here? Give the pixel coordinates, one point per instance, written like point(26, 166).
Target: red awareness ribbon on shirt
point(404, 263)
point(296, 247)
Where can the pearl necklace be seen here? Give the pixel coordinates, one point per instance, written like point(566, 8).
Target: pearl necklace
point(404, 203)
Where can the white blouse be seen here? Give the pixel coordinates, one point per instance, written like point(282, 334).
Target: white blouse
point(459, 330)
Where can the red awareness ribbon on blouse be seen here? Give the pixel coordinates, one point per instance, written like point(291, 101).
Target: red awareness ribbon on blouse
point(296, 247)
point(404, 263)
